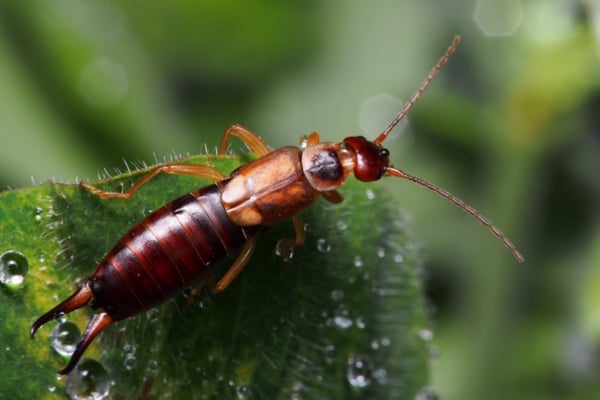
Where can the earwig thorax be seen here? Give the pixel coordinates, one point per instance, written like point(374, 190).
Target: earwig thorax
point(327, 165)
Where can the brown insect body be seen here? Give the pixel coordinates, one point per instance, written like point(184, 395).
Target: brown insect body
point(165, 252)
point(269, 189)
point(176, 245)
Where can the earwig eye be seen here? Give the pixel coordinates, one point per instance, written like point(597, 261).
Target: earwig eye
point(384, 153)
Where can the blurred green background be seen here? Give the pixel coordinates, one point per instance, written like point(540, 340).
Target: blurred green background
point(511, 126)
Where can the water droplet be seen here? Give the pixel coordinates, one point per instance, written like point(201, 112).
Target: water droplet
point(380, 376)
point(284, 249)
point(427, 393)
point(37, 213)
point(341, 225)
point(426, 334)
point(295, 396)
point(129, 361)
point(153, 315)
point(381, 252)
point(242, 391)
point(13, 268)
point(398, 258)
point(330, 353)
point(341, 318)
point(51, 388)
point(88, 381)
point(152, 367)
point(360, 323)
point(323, 245)
point(358, 371)
point(64, 338)
point(337, 295)
point(358, 262)
point(370, 194)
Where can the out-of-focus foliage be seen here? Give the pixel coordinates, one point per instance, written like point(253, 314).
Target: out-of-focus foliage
point(510, 125)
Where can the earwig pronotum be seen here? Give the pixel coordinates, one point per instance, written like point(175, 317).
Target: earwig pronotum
point(177, 244)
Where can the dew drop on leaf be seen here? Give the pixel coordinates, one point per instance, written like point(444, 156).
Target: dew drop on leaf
point(427, 393)
point(341, 318)
point(359, 371)
point(380, 376)
point(360, 323)
point(426, 334)
point(323, 245)
point(358, 262)
point(398, 258)
point(64, 338)
point(88, 381)
point(242, 392)
point(37, 213)
point(337, 295)
point(370, 194)
point(13, 268)
point(284, 250)
point(330, 353)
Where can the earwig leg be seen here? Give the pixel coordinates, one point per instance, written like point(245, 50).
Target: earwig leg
point(313, 139)
point(310, 140)
point(77, 300)
point(97, 323)
point(250, 139)
point(205, 281)
point(237, 266)
point(286, 246)
point(333, 196)
point(196, 170)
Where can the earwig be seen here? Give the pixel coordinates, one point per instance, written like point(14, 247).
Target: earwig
point(179, 243)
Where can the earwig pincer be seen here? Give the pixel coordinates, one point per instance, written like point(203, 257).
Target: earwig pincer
point(177, 245)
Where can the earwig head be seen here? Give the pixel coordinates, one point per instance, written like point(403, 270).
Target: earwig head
point(371, 160)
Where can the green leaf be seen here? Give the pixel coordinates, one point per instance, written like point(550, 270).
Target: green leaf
point(344, 319)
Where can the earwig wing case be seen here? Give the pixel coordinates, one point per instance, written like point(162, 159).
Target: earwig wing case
point(343, 319)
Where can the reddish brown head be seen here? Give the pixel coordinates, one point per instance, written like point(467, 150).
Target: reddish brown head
point(372, 160)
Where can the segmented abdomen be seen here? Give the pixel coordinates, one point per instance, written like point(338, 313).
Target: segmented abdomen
point(165, 253)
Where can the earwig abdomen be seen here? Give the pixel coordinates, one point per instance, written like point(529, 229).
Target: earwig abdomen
point(165, 253)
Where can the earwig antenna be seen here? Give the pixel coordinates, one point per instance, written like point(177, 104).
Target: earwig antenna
point(443, 193)
point(400, 116)
point(458, 202)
